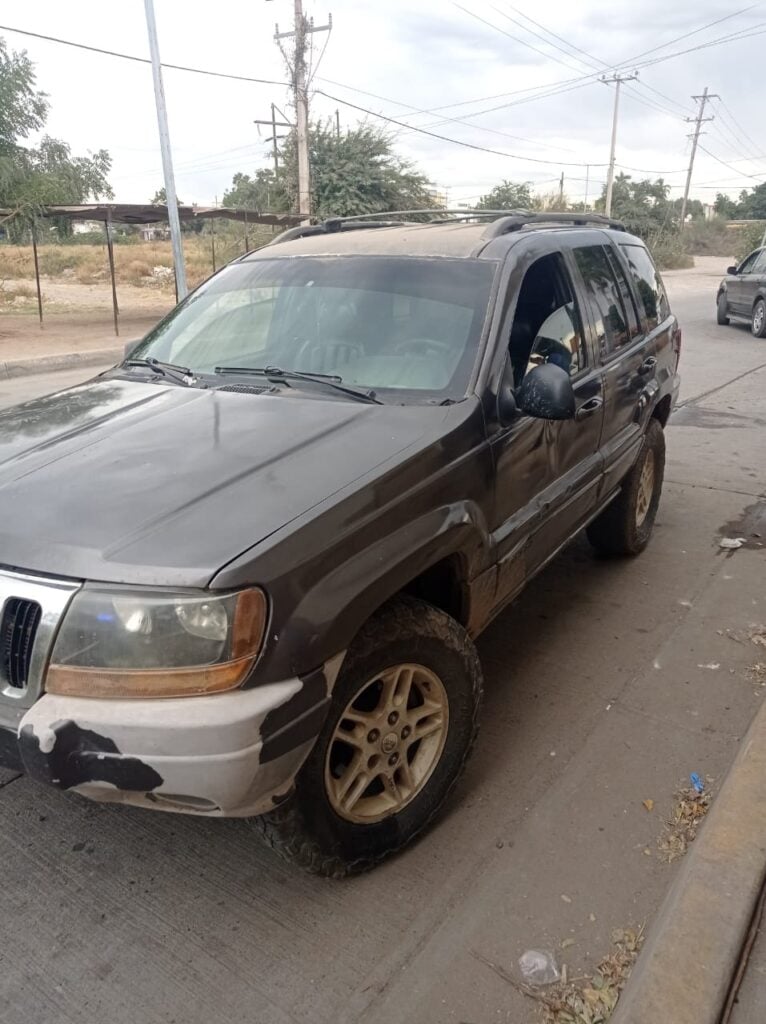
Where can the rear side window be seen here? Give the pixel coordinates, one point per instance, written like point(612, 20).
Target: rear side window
point(648, 284)
point(604, 298)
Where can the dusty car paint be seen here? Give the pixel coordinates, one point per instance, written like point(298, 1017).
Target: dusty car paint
point(332, 507)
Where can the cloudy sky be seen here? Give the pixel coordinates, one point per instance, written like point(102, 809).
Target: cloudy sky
point(404, 60)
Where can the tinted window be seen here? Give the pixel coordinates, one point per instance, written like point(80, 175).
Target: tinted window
point(648, 283)
point(628, 302)
point(546, 326)
point(604, 297)
point(759, 267)
point(401, 323)
point(746, 266)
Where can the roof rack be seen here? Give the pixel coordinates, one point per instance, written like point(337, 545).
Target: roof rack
point(501, 221)
point(516, 221)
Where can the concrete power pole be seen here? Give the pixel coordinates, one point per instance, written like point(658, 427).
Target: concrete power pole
point(167, 157)
point(617, 79)
point(301, 29)
point(697, 121)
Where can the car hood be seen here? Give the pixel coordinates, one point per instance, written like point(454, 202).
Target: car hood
point(137, 482)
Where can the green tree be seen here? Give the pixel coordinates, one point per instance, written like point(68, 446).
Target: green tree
point(264, 191)
point(160, 198)
point(752, 204)
point(725, 207)
point(33, 177)
point(354, 173)
point(508, 195)
point(644, 206)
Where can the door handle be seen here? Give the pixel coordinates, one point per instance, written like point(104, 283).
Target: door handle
point(648, 364)
point(589, 408)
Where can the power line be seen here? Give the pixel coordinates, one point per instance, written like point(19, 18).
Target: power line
point(457, 142)
point(730, 166)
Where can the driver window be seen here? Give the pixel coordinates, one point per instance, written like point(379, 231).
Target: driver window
point(746, 267)
point(547, 327)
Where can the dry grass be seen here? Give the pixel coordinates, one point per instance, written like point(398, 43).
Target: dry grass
point(681, 828)
point(88, 264)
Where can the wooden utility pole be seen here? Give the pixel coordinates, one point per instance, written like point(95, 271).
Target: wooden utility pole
point(301, 29)
point(274, 138)
point(697, 121)
point(617, 79)
point(337, 122)
point(561, 191)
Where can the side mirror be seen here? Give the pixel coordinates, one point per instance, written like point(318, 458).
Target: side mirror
point(130, 347)
point(731, 270)
point(547, 394)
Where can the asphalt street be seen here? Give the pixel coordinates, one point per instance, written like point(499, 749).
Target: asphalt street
point(607, 683)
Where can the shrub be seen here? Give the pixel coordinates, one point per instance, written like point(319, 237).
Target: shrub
point(749, 237)
point(670, 251)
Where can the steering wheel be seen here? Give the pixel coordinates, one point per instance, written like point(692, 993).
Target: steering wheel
point(332, 353)
point(426, 346)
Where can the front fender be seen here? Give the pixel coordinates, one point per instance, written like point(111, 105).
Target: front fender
point(330, 612)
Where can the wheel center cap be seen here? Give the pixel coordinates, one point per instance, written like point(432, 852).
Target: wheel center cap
point(389, 743)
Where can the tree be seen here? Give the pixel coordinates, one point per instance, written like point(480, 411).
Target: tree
point(33, 177)
point(508, 195)
point(355, 173)
point(160, 198)
point(725, 207)
point(643, 205)
point(264, 191)
point(752, 204)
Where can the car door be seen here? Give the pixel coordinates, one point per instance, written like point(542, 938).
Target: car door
point(547, 473)
point(741, 287)
point(627, 349)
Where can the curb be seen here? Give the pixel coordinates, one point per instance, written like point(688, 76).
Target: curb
point(692, 949)
point(65, 361)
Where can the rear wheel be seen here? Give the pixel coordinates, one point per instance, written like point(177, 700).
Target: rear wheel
point(758, 323)
point(403, 719)
point(625, 526)
point(722, 310)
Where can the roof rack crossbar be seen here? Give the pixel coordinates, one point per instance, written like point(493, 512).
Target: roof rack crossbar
point(332, 226)
point(516, 221)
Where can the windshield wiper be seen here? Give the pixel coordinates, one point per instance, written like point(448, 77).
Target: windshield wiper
point(330, 380)
point(181, 374)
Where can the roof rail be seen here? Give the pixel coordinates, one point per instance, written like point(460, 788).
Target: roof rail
point(516, 221)
point(501, 221)
point(332, 226)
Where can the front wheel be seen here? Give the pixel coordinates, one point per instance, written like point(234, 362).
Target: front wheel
point(722, 310)
point(403, 719)
point(758, 323)
point(625, 525)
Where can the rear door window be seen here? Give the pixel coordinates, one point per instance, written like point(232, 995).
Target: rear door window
point(648, 284)
point(613, 327)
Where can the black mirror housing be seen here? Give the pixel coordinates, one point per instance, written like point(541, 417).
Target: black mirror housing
point(731, 270)
point(546, 393)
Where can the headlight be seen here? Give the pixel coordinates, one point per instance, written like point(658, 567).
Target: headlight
point(132, 644)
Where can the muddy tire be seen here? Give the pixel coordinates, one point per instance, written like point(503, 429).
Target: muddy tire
point(722, 311)
point(758, 322)
point(625, 526)
point(404, 715)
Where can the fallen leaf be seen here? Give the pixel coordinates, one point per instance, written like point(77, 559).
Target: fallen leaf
point(592, 917)
point(648, 804)
point(566, 899)
point(647, 852)
point(567, 943)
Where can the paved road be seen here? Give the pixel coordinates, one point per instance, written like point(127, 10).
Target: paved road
point(599, 695)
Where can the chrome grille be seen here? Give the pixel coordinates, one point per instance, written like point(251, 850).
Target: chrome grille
point(31, 609)
point(17, 635)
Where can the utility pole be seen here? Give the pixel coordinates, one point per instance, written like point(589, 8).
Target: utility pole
point(167, 158)
point(561, 190)
point(337, 122)
point(274, 124)
point(617, 79)
point(587, 182)
point(697, 122)
point(302, 27)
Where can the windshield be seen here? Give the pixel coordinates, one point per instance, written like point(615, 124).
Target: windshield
point(400, 324)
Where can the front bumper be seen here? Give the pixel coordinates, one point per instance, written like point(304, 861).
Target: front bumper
point(231, 754)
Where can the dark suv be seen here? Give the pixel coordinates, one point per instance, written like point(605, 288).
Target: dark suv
point(242, 572)
point(742, 293)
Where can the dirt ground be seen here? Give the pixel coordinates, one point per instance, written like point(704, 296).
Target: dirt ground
point(76, 317)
